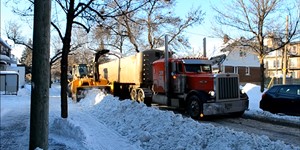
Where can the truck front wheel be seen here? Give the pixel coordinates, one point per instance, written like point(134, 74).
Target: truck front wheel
point(194, 106)
point(140, 96)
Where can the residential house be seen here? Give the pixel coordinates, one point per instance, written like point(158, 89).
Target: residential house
point(5, 53)
point(273, 62)
point(9, 67)
point(241, 60)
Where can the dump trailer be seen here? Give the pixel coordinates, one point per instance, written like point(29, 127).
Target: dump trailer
point(188, 83)
point(131, 76)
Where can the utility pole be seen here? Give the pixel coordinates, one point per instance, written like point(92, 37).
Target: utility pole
point(39, 110)
point(204, 47)
point(284, 67)
point(0, 18)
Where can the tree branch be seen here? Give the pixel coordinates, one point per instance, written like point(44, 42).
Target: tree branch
point(82, 25)
point(58, 31)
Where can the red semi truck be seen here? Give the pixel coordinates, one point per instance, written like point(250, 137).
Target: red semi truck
point(187, 83)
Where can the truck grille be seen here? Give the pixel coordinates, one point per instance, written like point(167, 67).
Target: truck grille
point(228, 88)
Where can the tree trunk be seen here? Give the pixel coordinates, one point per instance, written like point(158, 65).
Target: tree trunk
point(64, 82)
point(64, 61)
point(262, 71)
point(50, 82)
point(39, 110)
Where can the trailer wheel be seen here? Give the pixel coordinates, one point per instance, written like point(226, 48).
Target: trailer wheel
point(133, 94)
point(140, 96)
point(194, 106)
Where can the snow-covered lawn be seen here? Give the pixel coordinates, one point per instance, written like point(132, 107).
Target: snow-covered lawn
point(102, 122)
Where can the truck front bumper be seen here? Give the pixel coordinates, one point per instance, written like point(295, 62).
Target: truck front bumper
point(225, 107)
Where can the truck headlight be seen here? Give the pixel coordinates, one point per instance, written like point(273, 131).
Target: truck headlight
point(242, 91)
point(212, 93)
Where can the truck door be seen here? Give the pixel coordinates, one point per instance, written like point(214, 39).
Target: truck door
point(178, 79)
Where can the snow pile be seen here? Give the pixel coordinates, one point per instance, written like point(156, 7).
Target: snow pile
point(254, 95)
point(156, 129)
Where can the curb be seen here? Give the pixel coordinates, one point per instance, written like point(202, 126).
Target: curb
point(273, 120)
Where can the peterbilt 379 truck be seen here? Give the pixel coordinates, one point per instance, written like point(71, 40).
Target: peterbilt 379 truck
point(187, 83)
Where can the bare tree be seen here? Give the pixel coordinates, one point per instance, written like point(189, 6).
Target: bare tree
point(84, 15)
point(145, 28)
point(255, 20)
point(160, 19)
point(14, 33)
point(26, 57)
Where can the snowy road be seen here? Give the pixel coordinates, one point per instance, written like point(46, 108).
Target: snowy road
point(290, 135)
point(275, 130)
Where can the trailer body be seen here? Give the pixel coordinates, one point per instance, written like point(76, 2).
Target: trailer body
point(128, 74)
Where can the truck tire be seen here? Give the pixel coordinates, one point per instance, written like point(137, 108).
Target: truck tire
point(194, 106)
point(75, 97)
point(140, 96)
point(133, 94)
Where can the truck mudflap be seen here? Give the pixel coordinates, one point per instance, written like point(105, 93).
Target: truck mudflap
point(225, 107)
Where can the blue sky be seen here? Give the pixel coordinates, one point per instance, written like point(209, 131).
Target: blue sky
point(195, 34)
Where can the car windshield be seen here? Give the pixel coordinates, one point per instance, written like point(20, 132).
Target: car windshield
point(294, 90)
point(197, 68)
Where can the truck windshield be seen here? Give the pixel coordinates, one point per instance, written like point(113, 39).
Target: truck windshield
point(197, 68)
point(82, 70)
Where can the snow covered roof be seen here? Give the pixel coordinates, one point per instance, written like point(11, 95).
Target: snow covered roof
point(9, 72)
point(233, 50)
point(4, 58)
point(2, 42)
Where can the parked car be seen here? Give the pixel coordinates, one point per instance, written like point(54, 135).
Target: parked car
point(282, 99)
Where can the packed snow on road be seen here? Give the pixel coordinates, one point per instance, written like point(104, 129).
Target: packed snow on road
point(102, 122)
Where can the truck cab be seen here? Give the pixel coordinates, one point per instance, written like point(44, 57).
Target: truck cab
point(191, 84)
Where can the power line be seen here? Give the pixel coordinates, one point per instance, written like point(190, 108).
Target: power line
point(198, 34)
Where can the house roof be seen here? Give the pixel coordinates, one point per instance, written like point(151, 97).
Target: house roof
point(295, 42)
point(9, 72)
point(233, 55)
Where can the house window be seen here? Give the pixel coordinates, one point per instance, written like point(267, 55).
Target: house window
point(242, 53)
point(235, 69)
point(247, 70)
point(292, 63)
point(275, 63)
point(293, 50)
